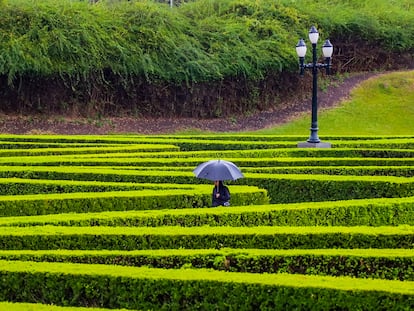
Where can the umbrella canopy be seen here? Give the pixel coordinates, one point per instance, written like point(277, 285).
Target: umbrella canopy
point(218, 170)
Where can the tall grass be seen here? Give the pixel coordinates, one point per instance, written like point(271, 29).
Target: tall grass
point(356, 20)
point(201, 40)
point(382, 105)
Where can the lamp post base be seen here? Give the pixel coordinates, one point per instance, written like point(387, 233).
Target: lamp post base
point(314, 145)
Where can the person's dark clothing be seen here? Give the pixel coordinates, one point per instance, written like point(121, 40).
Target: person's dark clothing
point(224, 198)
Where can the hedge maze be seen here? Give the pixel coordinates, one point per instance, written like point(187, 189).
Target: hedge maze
point(121, 222)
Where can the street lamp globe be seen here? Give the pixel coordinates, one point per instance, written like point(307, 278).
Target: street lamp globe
point(313, 35)
point(301, 48)
point(327, 49)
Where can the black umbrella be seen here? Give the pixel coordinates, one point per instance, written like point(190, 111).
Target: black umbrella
point(218, 170)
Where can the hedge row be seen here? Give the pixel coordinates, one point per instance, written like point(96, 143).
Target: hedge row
point(127, 238)
point(362, 170)
point(373, 212)
point(398, 171)
point(225, 145)
point(133, 139)
point(272, 137)
point(189, 289)
point(73, 160)
point(281, 188)
point(351, 143)
point(20, 186)
point(234, 144)
point(81, 149)
point(238, 142)
point(112, 152)
point(88, 202)
point(20, 306)
point(72, 139)
point(372, 263)
point(6, 145)
point(285, 152)
point(396, 143)
point(311, 188)
point(16, 306)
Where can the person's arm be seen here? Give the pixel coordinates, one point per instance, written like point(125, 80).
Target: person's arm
point(226, 195)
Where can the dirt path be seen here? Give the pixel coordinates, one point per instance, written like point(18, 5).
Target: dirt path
point(60, 125)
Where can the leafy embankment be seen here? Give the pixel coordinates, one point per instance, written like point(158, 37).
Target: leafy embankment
point(200, 59)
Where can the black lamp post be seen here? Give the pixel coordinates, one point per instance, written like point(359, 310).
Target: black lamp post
point(327, 50)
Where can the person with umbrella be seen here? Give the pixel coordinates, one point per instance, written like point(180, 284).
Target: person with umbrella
point(221, 194)
point(217, 171)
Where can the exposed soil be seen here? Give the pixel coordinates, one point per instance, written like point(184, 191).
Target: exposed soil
point(18, 124)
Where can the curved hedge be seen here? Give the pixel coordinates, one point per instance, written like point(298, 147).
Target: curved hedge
point(372, 263)
point(188, 289)
point(140, 234)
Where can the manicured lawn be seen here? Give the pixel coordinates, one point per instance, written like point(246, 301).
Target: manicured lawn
point(378, 106)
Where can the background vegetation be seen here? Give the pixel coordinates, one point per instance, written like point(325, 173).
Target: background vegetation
point(204, 58)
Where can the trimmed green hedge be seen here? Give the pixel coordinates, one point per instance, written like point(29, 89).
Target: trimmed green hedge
point(372, 212)
point(130, 238)
point(259, 249)
point(268, 137)
point(371, 263)
point(60, 149)
point(72, 139)
point(282, 188)
point(311, 188)
point(244, 145)
point(16, 306)
point(362, 170)
point(229, 142)
point(286, 148)
point(185, 289)
point(197, 196)
point(17, 186)
point(191, 160)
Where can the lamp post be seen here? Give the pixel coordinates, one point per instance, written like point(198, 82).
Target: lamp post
point(327, 50)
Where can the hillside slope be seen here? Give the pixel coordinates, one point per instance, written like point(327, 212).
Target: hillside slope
point(41, 124)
